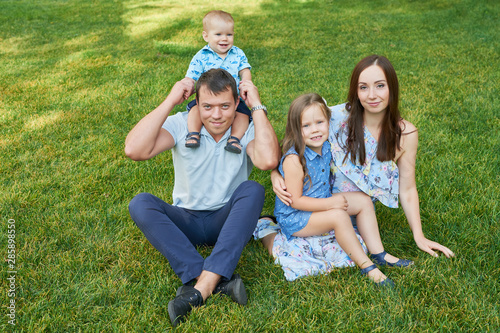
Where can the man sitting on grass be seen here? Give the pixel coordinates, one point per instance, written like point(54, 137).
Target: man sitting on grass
point(214, 203)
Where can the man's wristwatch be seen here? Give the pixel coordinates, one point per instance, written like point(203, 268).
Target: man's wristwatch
point(259, 107)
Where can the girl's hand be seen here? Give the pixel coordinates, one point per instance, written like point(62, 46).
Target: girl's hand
point(279, 188)
point(338, 201)
point(429, 246)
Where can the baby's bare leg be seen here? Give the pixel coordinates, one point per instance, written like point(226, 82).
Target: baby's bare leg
point(194, 121)
point(240, 125)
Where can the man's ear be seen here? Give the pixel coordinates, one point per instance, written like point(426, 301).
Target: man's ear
point(205, 36)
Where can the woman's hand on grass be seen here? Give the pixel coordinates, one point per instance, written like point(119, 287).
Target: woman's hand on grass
point(430, 247)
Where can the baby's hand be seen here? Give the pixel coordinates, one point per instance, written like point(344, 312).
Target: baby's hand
point(189, 82)
point(243, 90)
point(338, 201)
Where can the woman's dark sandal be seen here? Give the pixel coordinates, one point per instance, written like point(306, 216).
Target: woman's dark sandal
point(386, 283)
point(233, 145)
point(191, 136)
point(379, 259)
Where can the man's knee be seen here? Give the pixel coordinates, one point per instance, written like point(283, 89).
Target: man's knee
point(252, 188)
point(138, 205)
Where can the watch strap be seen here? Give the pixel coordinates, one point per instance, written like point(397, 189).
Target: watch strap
point(259, 107)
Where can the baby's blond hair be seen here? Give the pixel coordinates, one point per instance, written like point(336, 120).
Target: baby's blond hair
point(216, 15)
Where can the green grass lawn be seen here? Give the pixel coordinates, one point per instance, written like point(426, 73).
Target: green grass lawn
point(76, 76)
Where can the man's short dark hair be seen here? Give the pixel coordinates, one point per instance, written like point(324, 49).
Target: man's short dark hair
point(216, 81)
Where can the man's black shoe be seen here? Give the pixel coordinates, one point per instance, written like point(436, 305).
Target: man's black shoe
point(233, 288)
point(179, 307)
point(184, 288)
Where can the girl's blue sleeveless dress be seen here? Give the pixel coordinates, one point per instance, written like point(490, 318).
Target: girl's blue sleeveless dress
point(306, 256)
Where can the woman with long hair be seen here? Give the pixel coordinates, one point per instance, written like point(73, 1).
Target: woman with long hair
point(374, 151)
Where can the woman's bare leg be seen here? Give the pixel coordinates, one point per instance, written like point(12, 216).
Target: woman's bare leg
point(268, 242)
point(361, 205)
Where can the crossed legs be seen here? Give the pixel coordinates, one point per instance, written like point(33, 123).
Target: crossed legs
point(176, 232)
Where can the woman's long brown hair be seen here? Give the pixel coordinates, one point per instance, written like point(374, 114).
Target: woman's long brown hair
point(390, 134)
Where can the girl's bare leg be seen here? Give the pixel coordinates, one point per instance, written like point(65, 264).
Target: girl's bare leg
point(339, 221)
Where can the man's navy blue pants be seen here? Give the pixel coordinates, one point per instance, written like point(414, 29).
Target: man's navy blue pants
point(176, 232)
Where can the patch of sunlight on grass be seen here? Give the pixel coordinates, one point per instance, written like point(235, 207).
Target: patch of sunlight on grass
point(147, 17)
point(7, 141)
point(75, 57)
point(89, 95)
point(4, 110)
point(83, 60)
point(39, 122)
point(40, 86)
point(83, 40)
point(98, 61)
point(13, 45)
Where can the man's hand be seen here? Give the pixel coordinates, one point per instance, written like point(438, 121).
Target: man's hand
point(249, 93)
point(147, 139)
point(279, 187)
point(264, 150)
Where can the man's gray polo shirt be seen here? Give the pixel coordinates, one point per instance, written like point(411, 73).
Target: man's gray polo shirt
point(206, 177)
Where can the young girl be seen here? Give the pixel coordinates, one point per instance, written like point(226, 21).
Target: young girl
point(305, 167)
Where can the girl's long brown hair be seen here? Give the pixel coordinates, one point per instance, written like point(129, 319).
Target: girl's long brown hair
point(293, 132)
point(390, 134)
